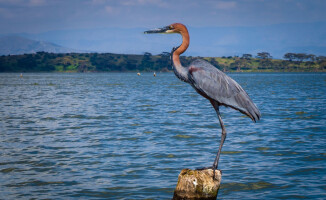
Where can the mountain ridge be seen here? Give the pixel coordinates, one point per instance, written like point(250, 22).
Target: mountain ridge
point(277, 39)
point(16, 45)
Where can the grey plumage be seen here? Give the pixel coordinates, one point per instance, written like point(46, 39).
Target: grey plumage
point(215, 85)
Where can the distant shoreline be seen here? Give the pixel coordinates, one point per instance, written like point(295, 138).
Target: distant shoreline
point(108, 62)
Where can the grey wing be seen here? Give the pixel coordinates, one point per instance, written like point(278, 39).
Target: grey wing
point(214, 84)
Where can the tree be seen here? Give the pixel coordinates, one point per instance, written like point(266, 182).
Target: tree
point(311, 57)
point(146, 62)
point(246, 56)
point(264, 62)
point(214, 62)
point(239, 65)
point(289, 56)
point(321, 58)
point(301, 56)
point(263, 55)
point(163, 61)
point(131, 64)
point(164, 54)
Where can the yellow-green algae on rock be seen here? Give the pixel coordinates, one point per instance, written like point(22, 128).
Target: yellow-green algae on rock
point(197, 184)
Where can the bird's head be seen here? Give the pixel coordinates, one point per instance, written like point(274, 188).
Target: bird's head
point(173, 28)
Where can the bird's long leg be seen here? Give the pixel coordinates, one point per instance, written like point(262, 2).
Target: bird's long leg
point(223, 136)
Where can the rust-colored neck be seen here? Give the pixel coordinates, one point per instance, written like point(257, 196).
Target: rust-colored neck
point(182, 48)
point(178, 69)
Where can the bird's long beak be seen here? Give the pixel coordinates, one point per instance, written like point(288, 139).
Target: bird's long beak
point(159, 30)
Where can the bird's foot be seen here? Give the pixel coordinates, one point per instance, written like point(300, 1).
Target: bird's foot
point(211, 167)
point(203, 168)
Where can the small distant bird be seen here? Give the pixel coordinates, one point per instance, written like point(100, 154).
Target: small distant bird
point(211, 83)
point(154, 74)
point(21, 75)
point(138, 74)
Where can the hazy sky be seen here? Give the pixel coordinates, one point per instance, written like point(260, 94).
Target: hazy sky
point(33, 16)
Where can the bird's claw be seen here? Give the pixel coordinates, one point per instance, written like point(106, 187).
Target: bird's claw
point(211, 167)
point(203, 168)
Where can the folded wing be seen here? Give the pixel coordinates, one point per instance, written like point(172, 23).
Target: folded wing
point(216, 85)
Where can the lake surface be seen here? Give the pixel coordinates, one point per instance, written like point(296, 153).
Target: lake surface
point(123, 136)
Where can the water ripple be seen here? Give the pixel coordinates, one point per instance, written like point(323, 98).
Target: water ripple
point(123, 136)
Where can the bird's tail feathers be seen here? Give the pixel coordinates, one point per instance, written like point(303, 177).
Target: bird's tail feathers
point(253, 112)
point(247, 107)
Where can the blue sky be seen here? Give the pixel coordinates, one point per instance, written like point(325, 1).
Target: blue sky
point(44, 16)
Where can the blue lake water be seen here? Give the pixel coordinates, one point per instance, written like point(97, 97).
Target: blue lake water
point(123, 136)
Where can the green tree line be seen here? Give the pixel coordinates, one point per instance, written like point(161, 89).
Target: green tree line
point(108, 62)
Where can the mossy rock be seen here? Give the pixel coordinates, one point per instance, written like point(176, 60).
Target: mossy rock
point(197, 184)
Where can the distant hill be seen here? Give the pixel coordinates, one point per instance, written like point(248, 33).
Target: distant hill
point(277, 39)
point(15, 45)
